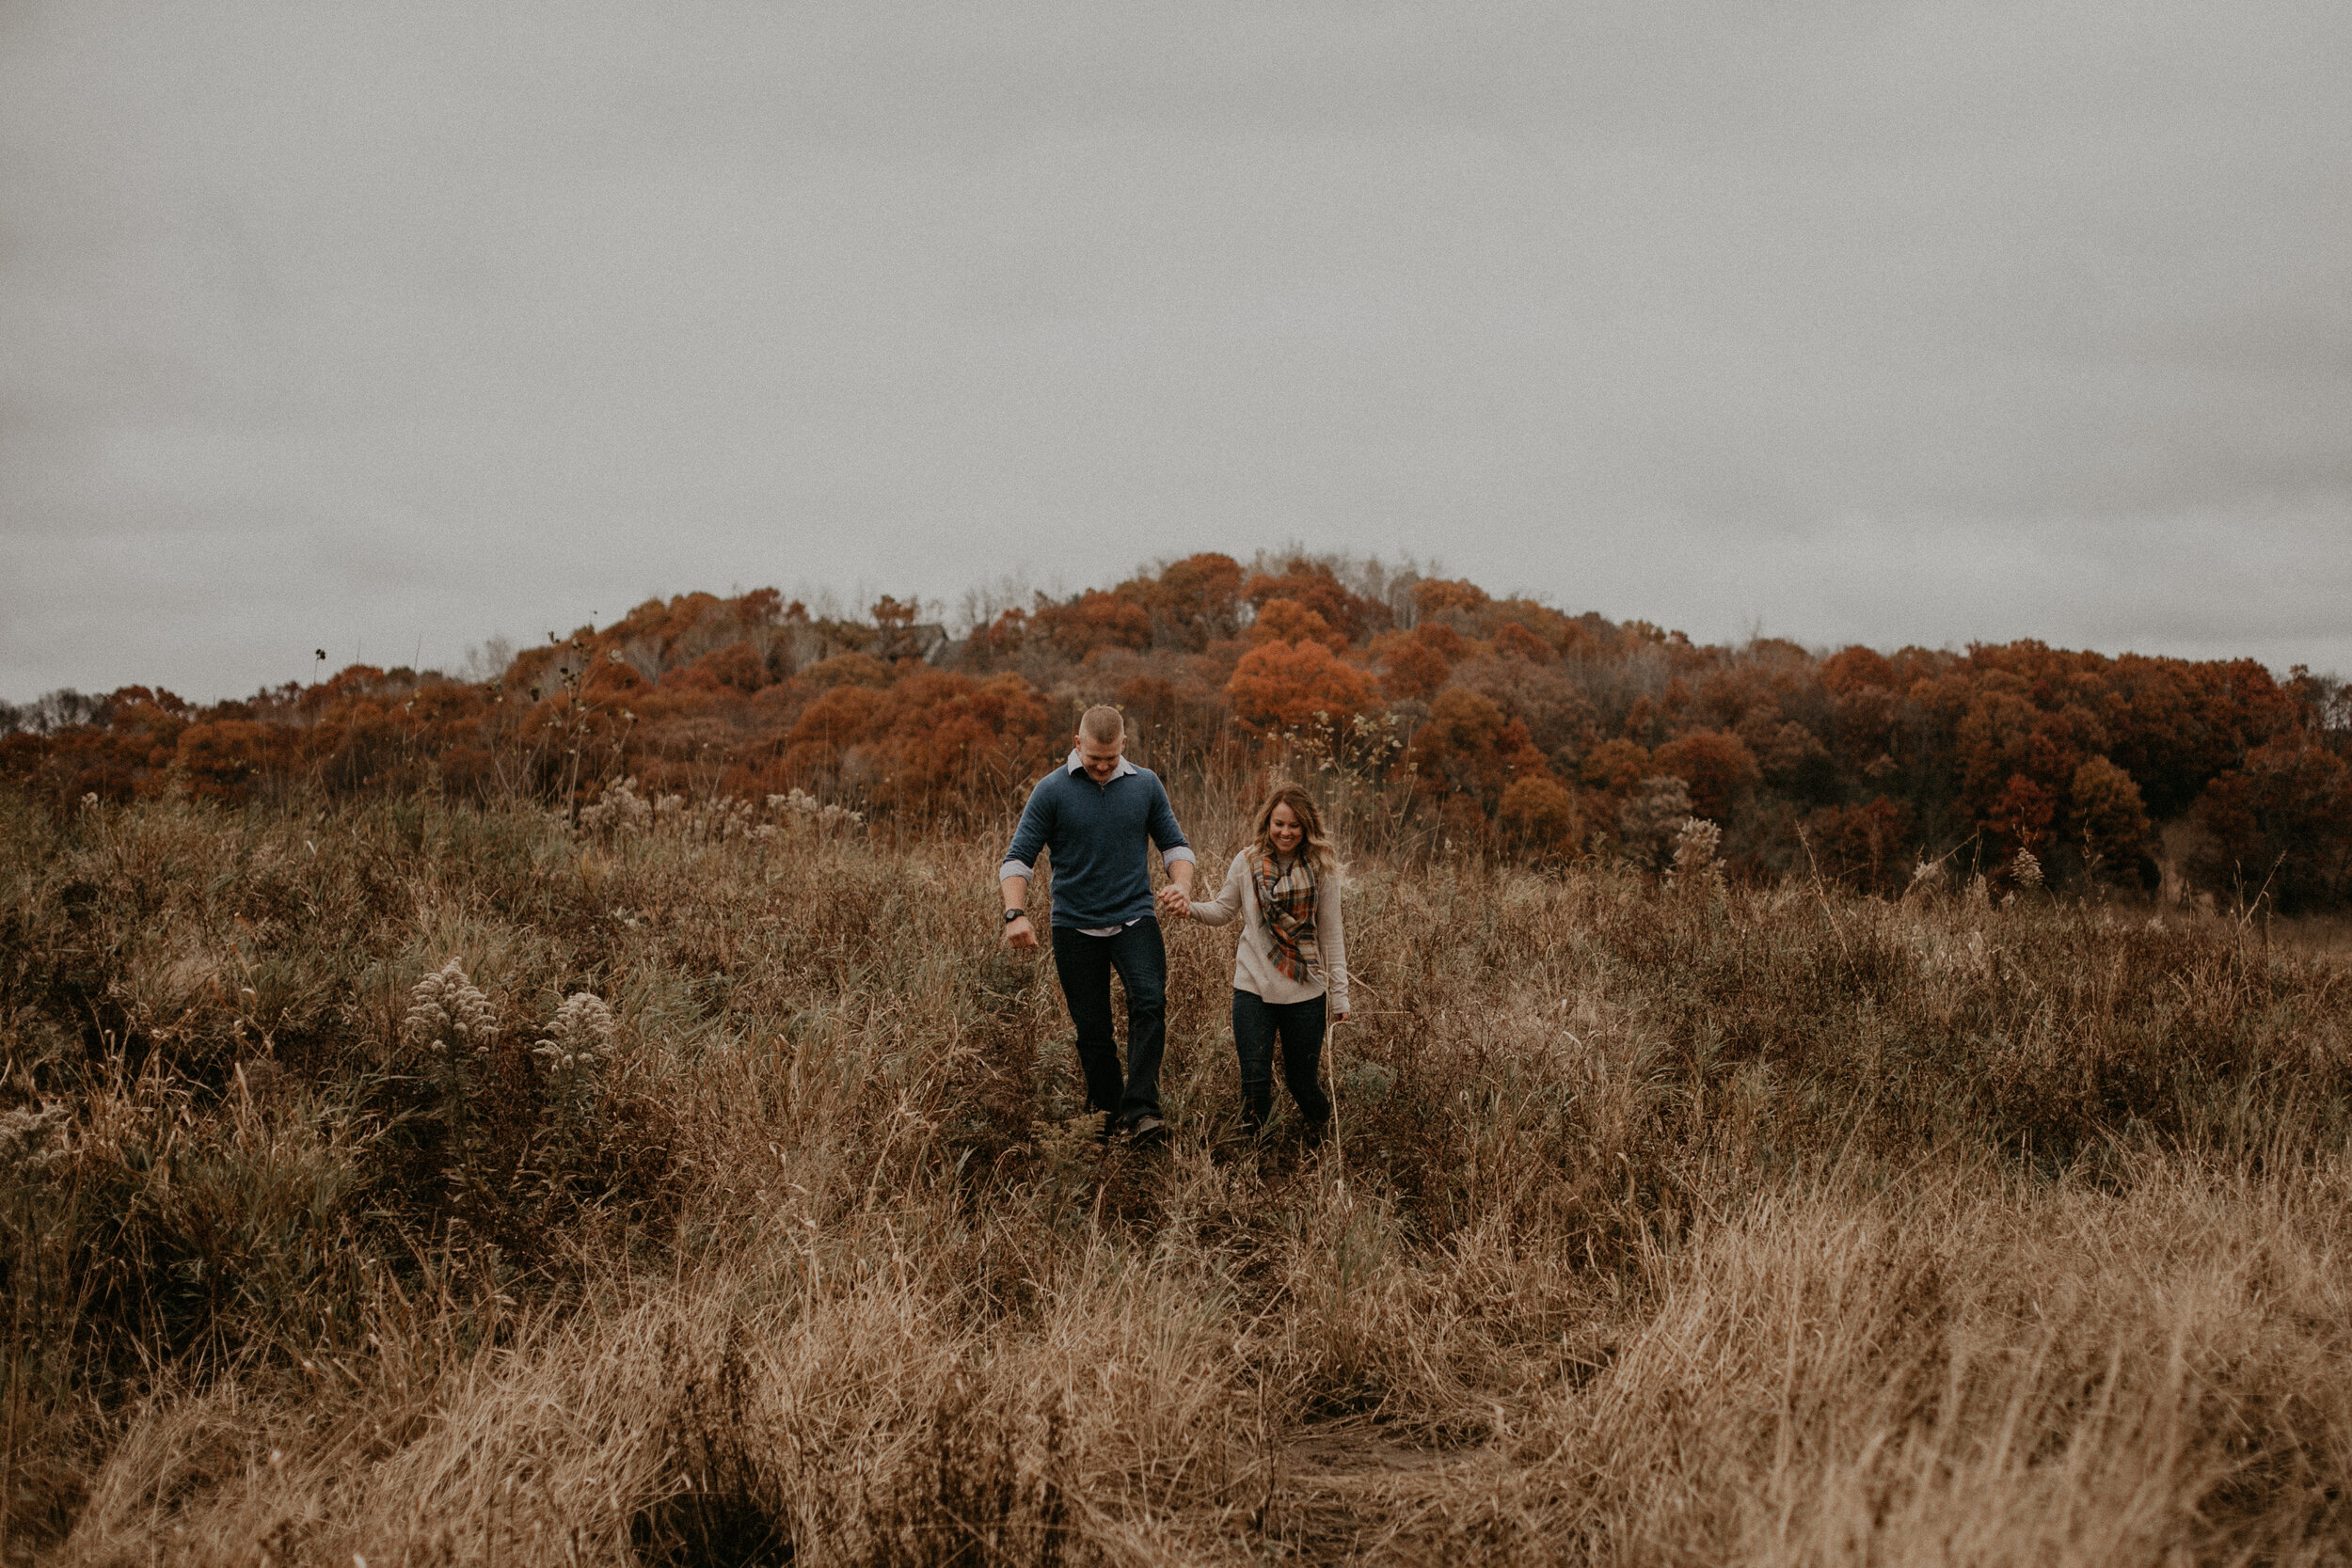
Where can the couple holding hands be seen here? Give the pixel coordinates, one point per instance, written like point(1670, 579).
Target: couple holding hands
point(1098, 816)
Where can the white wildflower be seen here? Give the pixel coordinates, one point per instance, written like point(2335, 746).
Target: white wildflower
point(445, 1010)
point(581, 1028)
point(799, 802)
point(620, 810)
point(26, 1133)
point(719, 821)
point(1697, 866)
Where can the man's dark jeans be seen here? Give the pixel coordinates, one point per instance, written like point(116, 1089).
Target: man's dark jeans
point(1256, 1022)
point(1085, 965)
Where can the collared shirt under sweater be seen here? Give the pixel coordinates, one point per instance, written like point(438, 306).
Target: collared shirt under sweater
point(1099, 837)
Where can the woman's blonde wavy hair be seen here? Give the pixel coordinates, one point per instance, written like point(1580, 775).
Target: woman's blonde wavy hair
point(1315, 845)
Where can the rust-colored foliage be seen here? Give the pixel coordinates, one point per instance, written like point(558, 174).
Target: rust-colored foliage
point(1615, 765)
point(2107, 811)
point(1001, 638)
point(1288, 621)
point(1717, 766)
point(1313, 587)
point(1443, 641)
point(843, 716)
point(1280, 687)
point(1471, 748)
point(1863, 846)
point(1857, 669)
point(1540, 813)
point(1092, 620)
point(221, 758)
point(1514, 640)
point(2020, 817)
point(734, 666)
point(1415, 671)
point(2281, 821)
point(932, 736)
point(1437, 596)
point(135, 740)
point(1193, 602)
point(1503, 723)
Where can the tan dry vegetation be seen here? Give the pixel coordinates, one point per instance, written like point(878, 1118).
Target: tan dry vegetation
point(1665, 1225)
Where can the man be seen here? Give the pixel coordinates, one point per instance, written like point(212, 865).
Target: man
point(1096, 815)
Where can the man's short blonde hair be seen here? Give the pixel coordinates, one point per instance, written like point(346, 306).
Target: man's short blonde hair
point(1103, 724)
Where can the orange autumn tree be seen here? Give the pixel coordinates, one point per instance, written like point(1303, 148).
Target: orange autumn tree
point(1279, 686)
point(1539, 814)
point(1468, 746)
point(2280, 825)
point(1715, 763)
point(1092, 620)
point(1421, 662)
point(1314, 586)
point(1288, 621)
point(1866, 846)
point(2106, 811)
point(222, 759)
point(932, 739)
point(1191, 603)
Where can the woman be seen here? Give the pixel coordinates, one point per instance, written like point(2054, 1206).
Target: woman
point(1290, 968)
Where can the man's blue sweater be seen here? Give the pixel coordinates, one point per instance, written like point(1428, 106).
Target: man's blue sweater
point(1097, 834)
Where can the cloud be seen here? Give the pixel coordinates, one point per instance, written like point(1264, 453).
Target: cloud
point(422, 321)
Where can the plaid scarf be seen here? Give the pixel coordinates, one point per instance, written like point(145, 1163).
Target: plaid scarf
point(1286, 901)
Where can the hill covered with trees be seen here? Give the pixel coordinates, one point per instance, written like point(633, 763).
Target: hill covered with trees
point(1503, 726)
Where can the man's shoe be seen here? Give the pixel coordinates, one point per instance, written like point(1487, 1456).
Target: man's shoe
point(1110, 1130)
point(1148, 1130)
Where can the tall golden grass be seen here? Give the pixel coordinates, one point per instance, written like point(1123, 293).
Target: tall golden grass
point(1666, 1223)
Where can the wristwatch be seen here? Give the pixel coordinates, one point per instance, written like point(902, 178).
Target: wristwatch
point(1011, 915)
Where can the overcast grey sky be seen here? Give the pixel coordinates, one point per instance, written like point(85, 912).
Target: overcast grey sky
point(388, 327)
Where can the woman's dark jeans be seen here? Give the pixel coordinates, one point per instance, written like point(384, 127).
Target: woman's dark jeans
point(1256, 1024)
point(1085, 965)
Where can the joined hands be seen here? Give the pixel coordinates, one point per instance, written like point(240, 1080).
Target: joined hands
point(1175, 902)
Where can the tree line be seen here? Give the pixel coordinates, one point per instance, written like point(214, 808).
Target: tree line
point(1498, 725)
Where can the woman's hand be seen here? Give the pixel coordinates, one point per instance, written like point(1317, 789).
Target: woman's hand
point(1340, 1017)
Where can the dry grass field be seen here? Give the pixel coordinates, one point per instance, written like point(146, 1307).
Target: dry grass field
point(1667, 1224)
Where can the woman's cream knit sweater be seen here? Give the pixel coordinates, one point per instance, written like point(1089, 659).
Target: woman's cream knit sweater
point(1254, 968)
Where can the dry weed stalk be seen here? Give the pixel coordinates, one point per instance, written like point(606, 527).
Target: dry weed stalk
point(1772, 1226)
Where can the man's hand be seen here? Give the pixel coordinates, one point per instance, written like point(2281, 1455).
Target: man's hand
point(1019, 933)
point(1176, 897)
